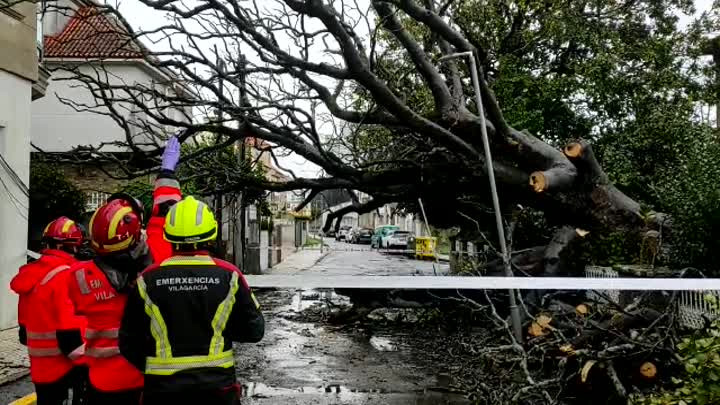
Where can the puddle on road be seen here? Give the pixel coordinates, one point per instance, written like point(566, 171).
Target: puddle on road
point(301, 362)
point(305, 299)
point(343, 394)
point(260, 390)
point(383, 344)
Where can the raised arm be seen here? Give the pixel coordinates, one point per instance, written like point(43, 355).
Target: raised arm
point(166, 194)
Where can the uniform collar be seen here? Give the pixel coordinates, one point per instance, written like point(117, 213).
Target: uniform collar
point(192, 253)
point(58, 253)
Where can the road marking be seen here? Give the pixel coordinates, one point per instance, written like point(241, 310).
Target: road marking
point(308, 282)
point(26, 400)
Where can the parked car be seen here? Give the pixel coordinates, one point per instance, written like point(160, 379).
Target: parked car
point(397, 240)
point(350, 235)
point(362, 236)
point(381, 232)
point(342, 233)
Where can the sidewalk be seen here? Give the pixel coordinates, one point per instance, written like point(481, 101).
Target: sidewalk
point(14, 363)
point(298, 261)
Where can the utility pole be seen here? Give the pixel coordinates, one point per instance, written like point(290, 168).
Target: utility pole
point(514, 310)
point(218, 194)
point(242, 159)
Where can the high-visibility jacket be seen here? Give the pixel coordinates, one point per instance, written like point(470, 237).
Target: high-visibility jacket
point(166, 193)
point(43, 310)
point(181, 320)
point(95, 297)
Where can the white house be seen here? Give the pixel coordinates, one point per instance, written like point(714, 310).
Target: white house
point(92, 42)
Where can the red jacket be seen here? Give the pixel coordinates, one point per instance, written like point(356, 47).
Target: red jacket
point(43, 309)
point(167, 192)
point(94, 297)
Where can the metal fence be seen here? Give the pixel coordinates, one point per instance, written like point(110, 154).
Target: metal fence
point(695, 308)
point(602, 295)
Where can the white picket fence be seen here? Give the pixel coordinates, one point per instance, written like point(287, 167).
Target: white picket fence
point(602, 272)
point(694, 308)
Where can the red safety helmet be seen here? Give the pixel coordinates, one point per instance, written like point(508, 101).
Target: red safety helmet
point(117, 225)
point(63, 231)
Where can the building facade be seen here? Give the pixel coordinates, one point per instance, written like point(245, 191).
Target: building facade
point(79, 37)
point(21, 81)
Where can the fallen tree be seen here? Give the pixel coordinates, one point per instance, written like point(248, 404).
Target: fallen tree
point(327, 96)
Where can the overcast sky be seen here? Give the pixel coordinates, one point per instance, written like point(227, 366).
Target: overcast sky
point(143, 18)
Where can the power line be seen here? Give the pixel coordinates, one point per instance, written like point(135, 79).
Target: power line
point(19, 206)
point(14, 201)
point(14, 176)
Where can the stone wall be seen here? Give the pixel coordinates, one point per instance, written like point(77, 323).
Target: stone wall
point(94, 180)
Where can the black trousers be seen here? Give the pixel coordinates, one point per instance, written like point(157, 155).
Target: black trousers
point(95, 397)
point(53, 393)
point(79, 385)
point(57, 393)
point(227, 396)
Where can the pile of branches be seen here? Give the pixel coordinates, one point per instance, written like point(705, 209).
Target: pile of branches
point(577, 347)
point(574, 349)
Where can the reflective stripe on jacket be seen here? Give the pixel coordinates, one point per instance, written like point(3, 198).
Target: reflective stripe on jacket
point(164, 363)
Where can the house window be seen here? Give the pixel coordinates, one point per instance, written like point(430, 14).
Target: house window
point(95, 199)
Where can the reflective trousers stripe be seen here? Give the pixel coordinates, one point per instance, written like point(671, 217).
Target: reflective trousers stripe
point(158, 366)
point(44, 351)
point(41, 335)
point(102, 352)
point(112, 333)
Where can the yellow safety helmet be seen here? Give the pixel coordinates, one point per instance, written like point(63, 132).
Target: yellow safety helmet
point(190, 221)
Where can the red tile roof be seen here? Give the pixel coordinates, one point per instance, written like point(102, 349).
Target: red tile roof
point(92, 34)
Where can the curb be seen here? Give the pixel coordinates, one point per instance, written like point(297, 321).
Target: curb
point(30, 399)
point(14, 376)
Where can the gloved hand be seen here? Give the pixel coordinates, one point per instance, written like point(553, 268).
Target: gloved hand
point(77, 353)
point(171, 155)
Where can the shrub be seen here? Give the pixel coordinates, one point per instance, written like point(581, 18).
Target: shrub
point(51, 196)
point(700, 384)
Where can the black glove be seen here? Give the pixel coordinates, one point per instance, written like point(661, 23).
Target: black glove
point(22, 335)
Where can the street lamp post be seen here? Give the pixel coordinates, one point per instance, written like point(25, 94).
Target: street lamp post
point(514, 310)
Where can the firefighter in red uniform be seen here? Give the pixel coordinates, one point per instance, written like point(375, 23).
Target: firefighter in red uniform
point(184, 314)
point(98, 288)
point(47, 322)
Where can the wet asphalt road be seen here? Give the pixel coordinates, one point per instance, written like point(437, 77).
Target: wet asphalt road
point(303, 363)
point(361, 260)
